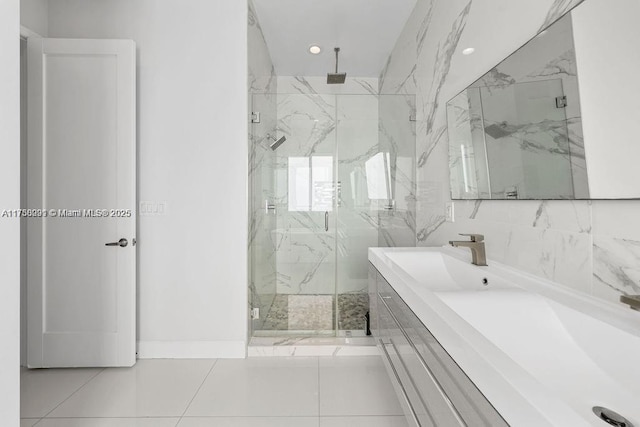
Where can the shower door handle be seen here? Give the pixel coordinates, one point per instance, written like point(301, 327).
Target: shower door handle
point(326, 220)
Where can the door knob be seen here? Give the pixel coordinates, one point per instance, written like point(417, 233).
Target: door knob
point(122, 243)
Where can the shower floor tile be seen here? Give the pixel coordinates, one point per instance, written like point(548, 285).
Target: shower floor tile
point(351, 311)
point(316, 313)
point(277, 318)
point(311, 312)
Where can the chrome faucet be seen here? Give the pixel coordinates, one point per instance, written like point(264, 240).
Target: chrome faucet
point(478, 254)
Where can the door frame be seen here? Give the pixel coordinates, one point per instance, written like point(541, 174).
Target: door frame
point(25, 34)
point(36, 195)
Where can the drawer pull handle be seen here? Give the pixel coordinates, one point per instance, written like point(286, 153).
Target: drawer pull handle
point(424, 364)
point(402, 389)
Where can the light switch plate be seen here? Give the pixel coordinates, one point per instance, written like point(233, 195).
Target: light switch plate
point(450, 212)
point(152, 208)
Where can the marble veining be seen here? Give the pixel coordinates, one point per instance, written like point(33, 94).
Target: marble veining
point(430, 228)
point(312, 346)
point(617, 266)
point(560, 240)
point(317, 85)
point(562, 66)
point(331, 131)
point(558, 9)
point(307, 267)
point(423, 29)
point(444, 53)
point(262, 84)
point(547, 136)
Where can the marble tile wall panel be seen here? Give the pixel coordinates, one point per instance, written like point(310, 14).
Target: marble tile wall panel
point(550, 239)
point(321, 121)
point(357, 142)
point(464, 172)
point(321, 125)
point(318, 85)
point(616, 248)
point(261, 72)
point(588, 245)
point(397, 135)
point(305, 251)
point(262, 84)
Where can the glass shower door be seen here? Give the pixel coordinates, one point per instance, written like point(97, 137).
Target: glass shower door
point(360, 175)
point(305, 232)
point(527, 140)
point(262, 220)
point(341, 182)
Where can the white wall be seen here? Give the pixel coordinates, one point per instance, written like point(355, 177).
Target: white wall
point(192, 143)
point(9, 199)
point(606, 35)
point(34, 15)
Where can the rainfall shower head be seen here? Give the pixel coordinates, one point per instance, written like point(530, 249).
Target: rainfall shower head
point(277, 142)
point(336, 78)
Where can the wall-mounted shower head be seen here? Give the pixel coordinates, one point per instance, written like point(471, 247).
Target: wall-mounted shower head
point(500, 130)
point(275, 141)
point(336, 78)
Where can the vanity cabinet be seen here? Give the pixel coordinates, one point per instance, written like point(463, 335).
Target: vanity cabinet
point(432, 388)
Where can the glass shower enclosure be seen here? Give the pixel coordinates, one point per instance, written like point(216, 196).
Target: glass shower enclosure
point(342, 181)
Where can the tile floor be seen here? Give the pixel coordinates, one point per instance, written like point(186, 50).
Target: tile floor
point(255, 392)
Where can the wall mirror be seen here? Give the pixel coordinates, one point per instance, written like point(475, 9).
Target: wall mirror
point(558, 118)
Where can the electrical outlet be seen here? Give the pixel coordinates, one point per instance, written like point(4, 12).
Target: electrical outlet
point(449, 212)
point(255, 313)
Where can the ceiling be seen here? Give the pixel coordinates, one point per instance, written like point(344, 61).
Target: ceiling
point(365, 30)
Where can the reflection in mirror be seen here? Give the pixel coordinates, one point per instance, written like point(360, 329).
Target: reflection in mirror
point(529, 127)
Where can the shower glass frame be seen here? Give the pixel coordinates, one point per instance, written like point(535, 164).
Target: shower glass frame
point(342, 181)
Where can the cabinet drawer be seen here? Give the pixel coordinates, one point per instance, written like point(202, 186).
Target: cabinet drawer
point(432, 406)
point(431, 368)
point(410, 400)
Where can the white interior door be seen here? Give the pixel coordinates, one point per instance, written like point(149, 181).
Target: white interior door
point(81, 160)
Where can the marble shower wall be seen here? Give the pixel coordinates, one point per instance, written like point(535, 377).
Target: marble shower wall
point(321, 121)
point(592, 246)
point(262, 88)
point(397, 136)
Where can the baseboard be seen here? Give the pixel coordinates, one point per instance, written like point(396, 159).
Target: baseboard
point(192, 349)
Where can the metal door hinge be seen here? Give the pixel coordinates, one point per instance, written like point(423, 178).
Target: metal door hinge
point(561, 101)
point(255, 117)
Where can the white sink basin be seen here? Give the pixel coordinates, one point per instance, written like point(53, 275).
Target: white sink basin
point(541, 353)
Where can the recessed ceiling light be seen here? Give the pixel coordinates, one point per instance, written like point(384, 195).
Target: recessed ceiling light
point(468, 51)
point(314, 49)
